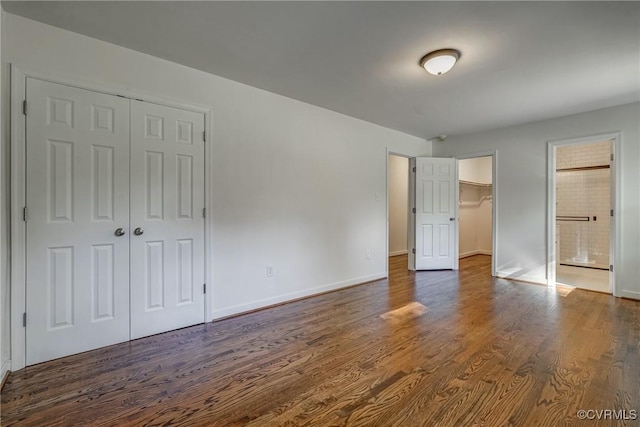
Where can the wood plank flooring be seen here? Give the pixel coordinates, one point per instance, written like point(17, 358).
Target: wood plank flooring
point(460, 349)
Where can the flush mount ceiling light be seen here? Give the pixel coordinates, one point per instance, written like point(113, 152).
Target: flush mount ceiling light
point(440, 61)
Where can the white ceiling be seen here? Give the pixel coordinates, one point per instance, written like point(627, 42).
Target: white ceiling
point(521, 61)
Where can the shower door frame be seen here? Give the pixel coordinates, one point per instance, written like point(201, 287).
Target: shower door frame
point(615, 181)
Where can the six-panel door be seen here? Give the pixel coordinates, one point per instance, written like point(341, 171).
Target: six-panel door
point(436, 222)
point(167, 202)
point(77, 192)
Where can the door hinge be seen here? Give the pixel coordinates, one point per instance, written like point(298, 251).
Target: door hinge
point(24, 319)
point(204, 212)
point(413, 250)
point(24, 213)
point(414, 169)
point(24, 107)
point(611, 212)
point(612, 157)
point(204, 135)
point(414, 210)
point(204, 288)
point(611, 268)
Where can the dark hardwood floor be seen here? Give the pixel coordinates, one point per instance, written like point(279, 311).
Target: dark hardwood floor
point(460, 349)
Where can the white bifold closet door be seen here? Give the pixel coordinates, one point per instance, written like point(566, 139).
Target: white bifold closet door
point(98, 167)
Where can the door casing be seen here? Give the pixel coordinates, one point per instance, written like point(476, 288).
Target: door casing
point(17, 248)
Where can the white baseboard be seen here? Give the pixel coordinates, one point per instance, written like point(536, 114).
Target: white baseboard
point(267, 302)
point(476, 252)
point(396, 253)
point(630, 294)
point(4, 370)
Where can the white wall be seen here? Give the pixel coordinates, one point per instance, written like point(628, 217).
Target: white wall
point(294, 186)
point(522, 188)
point(398, 202)
point(475, 207)
point(476, 169)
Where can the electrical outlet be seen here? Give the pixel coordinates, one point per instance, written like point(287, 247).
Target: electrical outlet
point(269, 270)
point(367, 254)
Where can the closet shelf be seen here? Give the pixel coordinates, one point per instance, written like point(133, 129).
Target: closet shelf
point(478, 184)
point(476, 203)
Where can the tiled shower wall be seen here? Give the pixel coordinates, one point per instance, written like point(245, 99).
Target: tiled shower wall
point(584, 194)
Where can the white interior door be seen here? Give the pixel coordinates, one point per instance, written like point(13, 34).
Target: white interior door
point(77, 192)
point(167, 209)
point(436, 213)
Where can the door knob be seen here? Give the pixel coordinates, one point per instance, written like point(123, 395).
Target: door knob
point(138, 231)
point(119, 232)
point(452, 219)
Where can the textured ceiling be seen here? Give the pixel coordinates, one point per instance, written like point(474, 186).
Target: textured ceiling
point(521, 61)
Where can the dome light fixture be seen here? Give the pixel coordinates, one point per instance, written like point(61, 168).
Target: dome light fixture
point(440, 61)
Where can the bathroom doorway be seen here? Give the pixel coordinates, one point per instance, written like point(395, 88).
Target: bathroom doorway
point(583, 217)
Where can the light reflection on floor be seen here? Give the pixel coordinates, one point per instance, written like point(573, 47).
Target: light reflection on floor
point(583, 278)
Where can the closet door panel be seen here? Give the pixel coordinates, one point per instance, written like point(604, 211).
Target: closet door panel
point(167, 202)
point(77, 192)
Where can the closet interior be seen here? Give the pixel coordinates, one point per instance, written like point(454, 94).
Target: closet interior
point(476, 206)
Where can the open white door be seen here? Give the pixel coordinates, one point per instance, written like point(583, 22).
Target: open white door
point(435, 213)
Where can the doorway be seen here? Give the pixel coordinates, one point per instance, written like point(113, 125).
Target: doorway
point(583, 195)
point(398, 184)
point(476, 206)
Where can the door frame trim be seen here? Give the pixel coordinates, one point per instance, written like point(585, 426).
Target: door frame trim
point(17, 246)
point(615, 233)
